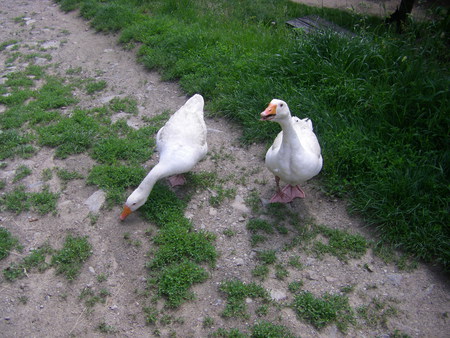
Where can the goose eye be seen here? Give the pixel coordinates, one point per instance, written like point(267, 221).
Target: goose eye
point(281, 105)
point(134, 203)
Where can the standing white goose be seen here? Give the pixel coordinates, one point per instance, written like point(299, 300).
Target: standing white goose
point(295, 155)
point(181, 143)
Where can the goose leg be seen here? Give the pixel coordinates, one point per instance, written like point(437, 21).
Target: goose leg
point(177, 180)
point(287, 194)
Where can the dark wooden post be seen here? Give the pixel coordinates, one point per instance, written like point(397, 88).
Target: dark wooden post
point(400, 15)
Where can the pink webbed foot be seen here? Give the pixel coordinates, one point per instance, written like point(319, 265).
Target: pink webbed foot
point(177, 180)
point(287, 194)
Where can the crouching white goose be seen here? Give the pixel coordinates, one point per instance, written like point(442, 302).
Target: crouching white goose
point(181, 143)
point(295, 155)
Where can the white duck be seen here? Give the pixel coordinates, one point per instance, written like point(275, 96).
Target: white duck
point(181, 143)
point(295, 155)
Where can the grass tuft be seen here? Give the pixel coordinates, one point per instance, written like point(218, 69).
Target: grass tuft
point(236, 292)
point(321, 312)
point(7, 243)
point(69, 260)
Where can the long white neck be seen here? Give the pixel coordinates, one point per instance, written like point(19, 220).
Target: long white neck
point(157, 172)
point(290, 137)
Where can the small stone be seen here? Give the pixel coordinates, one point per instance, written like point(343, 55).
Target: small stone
point(212, 212)
point(91, 270)
point(330, 279)
point(429, 289)
point(277, 295)
point(369, 267)
point(95, 201)
point(239, 261)
point(50, 44)
point(239, 204)
point(312, 276)
point(395, 278)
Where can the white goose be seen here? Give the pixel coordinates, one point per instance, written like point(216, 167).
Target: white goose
point(181, 143)
point(295, 155)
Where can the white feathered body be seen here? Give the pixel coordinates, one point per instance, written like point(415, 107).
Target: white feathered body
point(295, 155)
point(181, 144)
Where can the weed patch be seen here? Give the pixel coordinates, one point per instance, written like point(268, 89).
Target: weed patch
point(175, 280)
point(69, 260)
point(35, 260)
point(236, 292)
point(115, 180)
point(320, 312)
point(7, 243)
point(18, 201)
point(341, 244)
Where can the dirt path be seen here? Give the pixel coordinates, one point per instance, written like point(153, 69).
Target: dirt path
point(53, 307)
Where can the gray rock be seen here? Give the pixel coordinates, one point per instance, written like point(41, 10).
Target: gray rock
point(277, 295)
point(239, 204)
point(395, 278)
point(95, 201)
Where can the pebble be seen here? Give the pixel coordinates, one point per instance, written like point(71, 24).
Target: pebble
point(369, 267)
point(312, 276)
point(239, 204)
point(95, 201)
point(277, 295)
point(395, 278)
point(239, 261)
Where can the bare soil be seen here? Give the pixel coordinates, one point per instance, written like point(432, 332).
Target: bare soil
point(53, 307)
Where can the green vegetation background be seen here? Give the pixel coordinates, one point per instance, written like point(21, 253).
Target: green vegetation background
point(379, 101)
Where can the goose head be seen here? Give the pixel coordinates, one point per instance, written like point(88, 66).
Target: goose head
point(134, 202)
point(277, 110)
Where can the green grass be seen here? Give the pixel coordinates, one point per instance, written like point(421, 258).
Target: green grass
point(21, 172)
point(341, 244)
point(176, 279)
point(18, 200)
point(66, 175)
point(266, 329)
point(378, 101)
point(7, 243)
point(175, 266)
point(115, 179)
point(236, 293)
point(69, 260)
point(125, 105)
point(267, 256)
point(91, 298)
point(70, 135)
point(95, 86)
point(36, 259)
point(377, 313)
point(321, 312)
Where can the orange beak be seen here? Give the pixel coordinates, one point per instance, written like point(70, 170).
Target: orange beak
point(269, 113)
point(126, 211)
